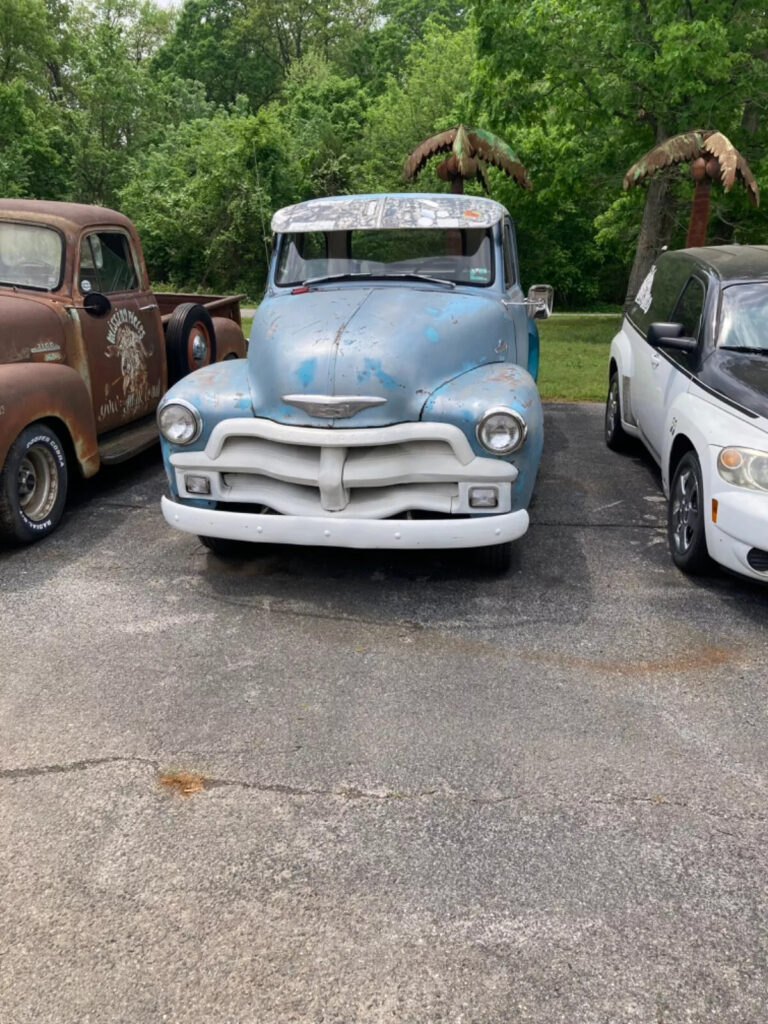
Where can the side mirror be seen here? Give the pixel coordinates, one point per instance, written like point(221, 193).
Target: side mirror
point(96, 304)
point(541, 298)
point(663, 335)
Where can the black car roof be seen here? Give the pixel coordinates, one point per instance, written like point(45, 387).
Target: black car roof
point(729, 262)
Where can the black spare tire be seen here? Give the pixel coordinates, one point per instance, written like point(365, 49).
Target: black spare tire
point(190, 341)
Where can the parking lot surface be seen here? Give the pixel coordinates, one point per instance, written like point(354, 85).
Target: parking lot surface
point(427, 795)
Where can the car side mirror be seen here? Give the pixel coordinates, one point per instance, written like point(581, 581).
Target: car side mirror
point(541, 298)
point(96, 304)
point(665, 335)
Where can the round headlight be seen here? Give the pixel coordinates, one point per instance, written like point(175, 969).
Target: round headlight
point(501, 431)
point(179, 422)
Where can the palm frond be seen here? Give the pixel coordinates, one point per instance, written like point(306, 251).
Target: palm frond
point(689, 146)
point(440, 143)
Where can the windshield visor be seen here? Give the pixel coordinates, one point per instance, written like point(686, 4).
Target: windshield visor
point(31, 256)
point(744, 317)
point(461, 256)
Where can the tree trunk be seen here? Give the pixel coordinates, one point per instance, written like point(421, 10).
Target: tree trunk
point(655, 231)
point(457, 185)
point(697, 226)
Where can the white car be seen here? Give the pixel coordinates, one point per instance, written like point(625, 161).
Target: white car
point(689, 378)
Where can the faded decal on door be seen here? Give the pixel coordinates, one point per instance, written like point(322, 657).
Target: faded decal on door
point(125, 342)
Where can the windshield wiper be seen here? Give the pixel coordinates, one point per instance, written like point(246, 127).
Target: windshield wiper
point(334, 277)
point(744, 348)
point(411, 275)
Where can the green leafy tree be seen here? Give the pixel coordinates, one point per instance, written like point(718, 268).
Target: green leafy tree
point(202, 199)
point(116, 104)
point(624, 77)
point(245, 47)
point(323, 113)
point(414, 104)
point(33, 143)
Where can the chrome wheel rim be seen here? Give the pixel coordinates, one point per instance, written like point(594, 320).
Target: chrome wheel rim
point(612, 408)
point(198, 347)
point(38, 485)
point(685, 511)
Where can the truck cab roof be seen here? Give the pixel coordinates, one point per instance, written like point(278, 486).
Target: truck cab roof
point(74, 216)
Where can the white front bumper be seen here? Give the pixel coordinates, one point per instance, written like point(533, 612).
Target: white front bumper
point(325, 531)
point(742, 524)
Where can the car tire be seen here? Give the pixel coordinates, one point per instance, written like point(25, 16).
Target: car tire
point(616, 436)
point(685, 517)
point(190, 340)
point(495, 559)
point(224, 548)
point(33, 486)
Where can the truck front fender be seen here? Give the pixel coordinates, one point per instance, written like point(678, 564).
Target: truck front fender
point(463, 401)
point(48, 391)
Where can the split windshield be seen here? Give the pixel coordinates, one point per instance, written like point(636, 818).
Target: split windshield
point(31, 256)
point(744, 317)
point(457, 256)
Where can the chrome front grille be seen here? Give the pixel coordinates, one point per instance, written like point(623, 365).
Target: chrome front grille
point(369, 473)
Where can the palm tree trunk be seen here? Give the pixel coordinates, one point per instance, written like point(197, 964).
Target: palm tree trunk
point(697, 226)
point(457, 185)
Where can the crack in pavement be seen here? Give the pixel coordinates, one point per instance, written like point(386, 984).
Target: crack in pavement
point(72, 766)
point(354, 793)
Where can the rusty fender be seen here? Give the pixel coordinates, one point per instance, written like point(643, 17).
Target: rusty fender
point(229, 338)
point(48, 391)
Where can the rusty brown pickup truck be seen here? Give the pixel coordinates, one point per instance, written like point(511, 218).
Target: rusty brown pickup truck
point(86, 352)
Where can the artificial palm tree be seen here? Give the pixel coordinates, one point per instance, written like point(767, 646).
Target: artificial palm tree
point(710, 155)
point(472, 150)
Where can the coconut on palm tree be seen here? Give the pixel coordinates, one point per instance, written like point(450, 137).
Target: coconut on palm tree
point(711, 156)
point(471, 150)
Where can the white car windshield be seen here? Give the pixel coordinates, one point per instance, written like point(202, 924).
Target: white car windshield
point(744, 317)
point(447, 255)
point(31, 256)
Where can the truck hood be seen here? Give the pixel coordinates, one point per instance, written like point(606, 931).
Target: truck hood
point(390, 343)
point(30, 328)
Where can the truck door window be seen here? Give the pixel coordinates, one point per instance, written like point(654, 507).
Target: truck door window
point(510, 274)
point(107, 264)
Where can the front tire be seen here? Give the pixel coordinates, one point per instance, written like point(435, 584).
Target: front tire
point(33, 486)
point(616, 436)
point(223, 548)
point(495, 559)
point(685, 517)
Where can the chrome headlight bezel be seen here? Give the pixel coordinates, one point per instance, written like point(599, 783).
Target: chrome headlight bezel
point(513, 414)
point(741, 473)
point(196, 420)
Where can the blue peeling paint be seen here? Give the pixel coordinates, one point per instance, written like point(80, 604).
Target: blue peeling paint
point(306, 372)
point(432, 334)
point(373, 368)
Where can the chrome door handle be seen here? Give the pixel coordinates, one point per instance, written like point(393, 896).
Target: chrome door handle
point(146, 309)
point(655, 360)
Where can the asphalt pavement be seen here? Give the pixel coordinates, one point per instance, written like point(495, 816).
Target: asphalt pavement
point(415, 793)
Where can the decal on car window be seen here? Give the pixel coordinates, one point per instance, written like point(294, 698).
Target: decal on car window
point(643, 297)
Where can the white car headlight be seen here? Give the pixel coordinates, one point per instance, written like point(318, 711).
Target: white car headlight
point(501, 431)
point(179, 422)
point(744, 467)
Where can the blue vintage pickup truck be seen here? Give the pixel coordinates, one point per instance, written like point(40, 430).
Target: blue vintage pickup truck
point(389, 396)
